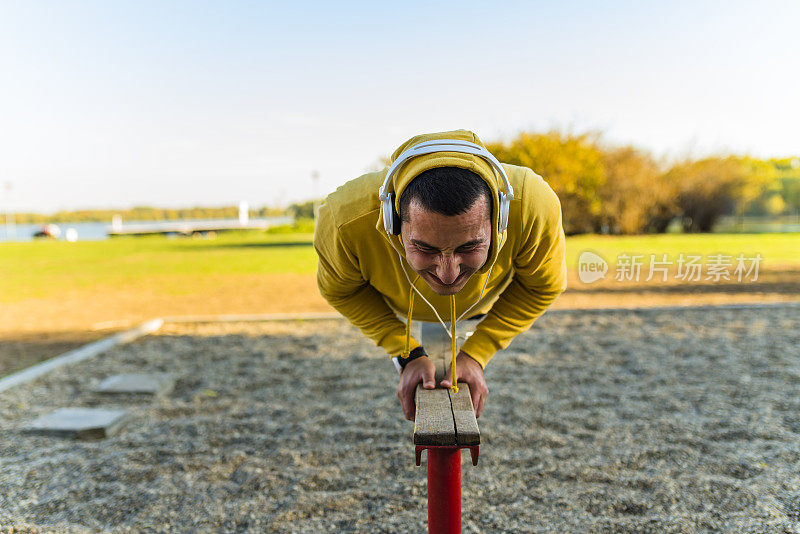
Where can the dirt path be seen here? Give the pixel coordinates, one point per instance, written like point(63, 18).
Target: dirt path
point(36, 329)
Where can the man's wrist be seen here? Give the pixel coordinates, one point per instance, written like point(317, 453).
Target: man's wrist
point(473, 358)
point(400, 362)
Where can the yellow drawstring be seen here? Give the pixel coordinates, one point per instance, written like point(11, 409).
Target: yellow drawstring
point(453, 338)
point(453, 386)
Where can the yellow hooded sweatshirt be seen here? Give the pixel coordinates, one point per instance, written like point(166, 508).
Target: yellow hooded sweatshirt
point(359, 270)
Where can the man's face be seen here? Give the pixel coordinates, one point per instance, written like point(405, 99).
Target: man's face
point(447, 251)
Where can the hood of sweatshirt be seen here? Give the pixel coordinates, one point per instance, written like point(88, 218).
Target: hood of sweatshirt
point(413, 167)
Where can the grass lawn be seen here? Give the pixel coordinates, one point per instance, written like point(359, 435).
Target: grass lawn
point(54, 295)
point(776, 249)
point(177, 266)
point(173, 266)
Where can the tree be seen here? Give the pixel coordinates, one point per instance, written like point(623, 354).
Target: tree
point(303, 210)
point(634, 194)
point(571, 164)
point(715, 186)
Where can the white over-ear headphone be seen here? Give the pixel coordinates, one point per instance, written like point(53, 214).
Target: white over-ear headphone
point(391, 220)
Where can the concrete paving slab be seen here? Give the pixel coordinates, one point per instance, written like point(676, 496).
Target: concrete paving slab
point(80, 423)
point(144, 384)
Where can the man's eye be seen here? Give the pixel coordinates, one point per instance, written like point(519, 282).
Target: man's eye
point(427, 250)
point(470, 248)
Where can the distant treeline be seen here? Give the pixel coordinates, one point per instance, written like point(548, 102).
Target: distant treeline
point(144, 213)
point(611, 189)
point(603, 188)
point(624, 190)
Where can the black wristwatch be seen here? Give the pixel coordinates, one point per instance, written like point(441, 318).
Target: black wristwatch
point(400, 362)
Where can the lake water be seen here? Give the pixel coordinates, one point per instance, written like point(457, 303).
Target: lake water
point(93, 231)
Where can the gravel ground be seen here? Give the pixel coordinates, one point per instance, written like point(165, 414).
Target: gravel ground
point(596, 422)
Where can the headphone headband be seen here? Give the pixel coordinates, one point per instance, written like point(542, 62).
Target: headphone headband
point(444, 145)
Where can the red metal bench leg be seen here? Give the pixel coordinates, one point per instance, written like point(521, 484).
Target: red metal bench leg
point(444, 490)
point(444, 487)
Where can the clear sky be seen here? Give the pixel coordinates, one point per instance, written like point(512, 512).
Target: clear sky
point(180, 103)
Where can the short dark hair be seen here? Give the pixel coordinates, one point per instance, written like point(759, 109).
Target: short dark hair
point(445, 190)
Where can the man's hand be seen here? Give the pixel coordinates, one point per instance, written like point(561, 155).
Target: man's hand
point(471, 372)
point(416, 371)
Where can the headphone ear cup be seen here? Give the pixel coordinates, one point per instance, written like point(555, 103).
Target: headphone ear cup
point(387, 214)
point(503, 215)
point(391, 220)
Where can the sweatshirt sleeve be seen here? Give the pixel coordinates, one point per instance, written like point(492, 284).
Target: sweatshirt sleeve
point(540, 274)
point(340, 282)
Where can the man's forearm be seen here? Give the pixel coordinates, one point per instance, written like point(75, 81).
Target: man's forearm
point(514, 312)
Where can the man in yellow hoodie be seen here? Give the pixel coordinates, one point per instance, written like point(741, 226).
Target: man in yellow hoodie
point(485, 238)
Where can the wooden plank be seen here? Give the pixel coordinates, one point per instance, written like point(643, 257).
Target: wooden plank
point(445, 418)
point(466, 425)
point(433, 423)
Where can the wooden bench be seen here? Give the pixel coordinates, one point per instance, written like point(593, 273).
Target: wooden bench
point(444, 424)
point(444, 418)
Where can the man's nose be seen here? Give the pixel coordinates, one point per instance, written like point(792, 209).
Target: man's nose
point(448, 268)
